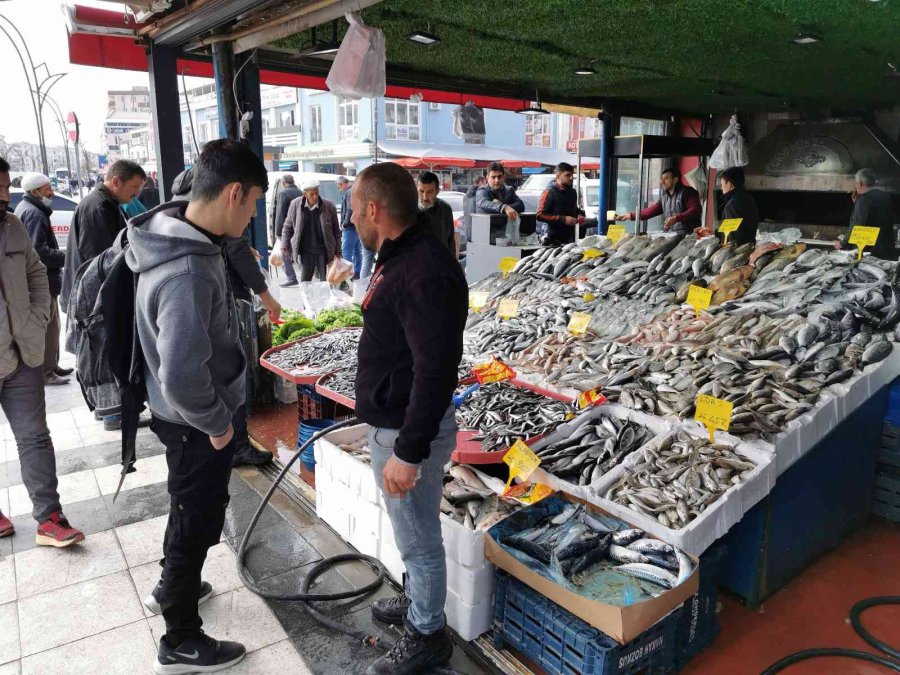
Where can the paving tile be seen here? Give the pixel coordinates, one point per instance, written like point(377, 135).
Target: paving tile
point(45, 568)
point(66, 439)
point(275, 550)
point(84, 417)
point(9, 635)
point(7, 580)
point(4, 502)
point(142, 542)
point(240, 512)
point(10, 473)
point(75, 487)
point(103, 604)
point(92, 435)
point(139, 504)
point(281, 657)
point(127, 649)
point(61, 421)
point(11, 668)
point(149, 471)
point(239, 615)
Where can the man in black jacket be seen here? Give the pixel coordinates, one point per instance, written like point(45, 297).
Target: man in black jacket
point(98, 219)
point(409, 352)
point(497, 197)
point(558, 208)
point(437, 212)
point(289, 193)
point(34, 211)
point(737, 203)
point(873, 208)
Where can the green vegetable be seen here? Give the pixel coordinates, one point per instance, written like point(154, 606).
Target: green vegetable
point(339, 318)
point(289, 327)
point(302, 333)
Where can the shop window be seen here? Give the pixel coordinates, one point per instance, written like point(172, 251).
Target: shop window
point(315, 124)
point(401, 120)
point(348, 119)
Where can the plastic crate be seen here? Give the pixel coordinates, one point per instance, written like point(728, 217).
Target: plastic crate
point(561, 643)
point(312, 405)
point(889, 453)
point(698, 622)
point(886, 496)
point(892, 412)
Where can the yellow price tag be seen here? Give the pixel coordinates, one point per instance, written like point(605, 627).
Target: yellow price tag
point(509, 308)
point(713, 412)
point(590, 397)
point(592, 253)
point(615, 232)
point(862, 236)
point(478, 299)
point(729, 225)
point(492, 371)
point(521, 461)
point(699, 297)
point(528, 493)
point(589, 297)
point(507, 265)
point(579, 322)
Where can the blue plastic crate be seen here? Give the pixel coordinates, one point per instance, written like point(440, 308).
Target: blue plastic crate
point(892, 411)
point(562, 644)
point(698, 623)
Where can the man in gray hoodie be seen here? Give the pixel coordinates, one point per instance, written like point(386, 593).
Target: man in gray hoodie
point(194, 369)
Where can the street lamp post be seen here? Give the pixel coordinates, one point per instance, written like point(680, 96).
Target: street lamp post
point(54, 106)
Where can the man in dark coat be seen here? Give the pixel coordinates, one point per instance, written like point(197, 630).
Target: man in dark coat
point(288, 193)
point(436, 212)
point(497, 197)
point(737, 203)
point(312, 232)
point(873, 208)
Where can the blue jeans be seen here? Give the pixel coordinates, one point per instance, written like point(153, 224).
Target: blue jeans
point(416, 519)
point(368, 260)
point(351, 249)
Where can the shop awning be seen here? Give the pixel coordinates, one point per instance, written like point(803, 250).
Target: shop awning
point(523, 157)
point(434, 162)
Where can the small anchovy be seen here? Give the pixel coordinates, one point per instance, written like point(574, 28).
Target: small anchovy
point(651, 573)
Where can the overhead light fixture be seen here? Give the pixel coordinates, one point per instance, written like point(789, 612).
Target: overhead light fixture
point(805, 39)
point(587, 69)
point(424, 37)
point(892, 71)
point(533, 108)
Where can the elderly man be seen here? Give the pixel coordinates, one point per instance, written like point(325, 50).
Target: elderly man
point(289, 193)
point(678, 204)
point(351, 248)
point(34, 211)
point(24, 314)
point(312, 232)
point(497, 197)
point(873, 208)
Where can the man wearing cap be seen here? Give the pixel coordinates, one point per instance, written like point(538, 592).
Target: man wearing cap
point(34, 211)
point(312, 232)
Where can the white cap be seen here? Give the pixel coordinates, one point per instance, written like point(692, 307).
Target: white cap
point(33, 181)
point(311, 184)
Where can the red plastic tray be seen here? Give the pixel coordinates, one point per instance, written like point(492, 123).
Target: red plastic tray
point(543, 392)
point(333, 395)
point(295, 375)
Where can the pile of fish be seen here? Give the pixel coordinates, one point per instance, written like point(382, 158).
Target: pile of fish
point(326, 353)
point(471, 498)
point(594, 447)
point(359, 448)
point(677, 478)
point(342, 382)
point(575, 540)
point(503, 414)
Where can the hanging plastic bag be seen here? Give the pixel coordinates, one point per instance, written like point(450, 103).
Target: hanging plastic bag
point(275, 257)
point(732, 149)
point(697, 179)
point(512, 230)
point(358, 68)
point(339, 271)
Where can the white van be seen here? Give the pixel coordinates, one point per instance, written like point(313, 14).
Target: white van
point(328, 189)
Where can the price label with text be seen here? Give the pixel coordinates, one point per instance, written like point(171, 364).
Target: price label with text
point(493, 371)
point(579, 322)
point(615, 232)
point(478, 299)
point(862, 236)
point(507, 265)
point(590, 397)
point(509, 308)
point(729, 225)
point(592, 253)
point(528, 493)
point(713, 412)
point(699, 297)
point(521, 461)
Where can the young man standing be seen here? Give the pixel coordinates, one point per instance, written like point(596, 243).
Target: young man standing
point(350, 246)
point(194, 369)
point(437, 212)
point(409, 353)
point(497, 197)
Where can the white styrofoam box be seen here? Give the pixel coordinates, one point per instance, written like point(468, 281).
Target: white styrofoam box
point(461, 544)
point(330, 509)
point(367, 516)
point(471, 584)
point(717, 519)
point(285, 392)
point(362, 539)
point(345, 468)
point(885, 372)
point(469, 620)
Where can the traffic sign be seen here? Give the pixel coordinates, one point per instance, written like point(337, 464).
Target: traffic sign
point(72, 126)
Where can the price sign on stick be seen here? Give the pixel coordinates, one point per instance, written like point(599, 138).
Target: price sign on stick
point(507, 265)
point(728, 226)
point(579, 322)
point(713, 412)
point(478, 299)
point(699, 297)
point(862, 236)
point(614, 233)
point(521, 461)
point(592, 253)
point(590, 397)
point(509, 308)
point(493, 371)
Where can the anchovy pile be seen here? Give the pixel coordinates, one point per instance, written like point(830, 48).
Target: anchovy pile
point(677, 478)
point(504, 414)
point(326, 353)
point(576, 540)
point(342, 382)
point(471, 498)
point(592, 449)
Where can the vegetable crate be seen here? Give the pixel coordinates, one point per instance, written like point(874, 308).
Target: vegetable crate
point(698, 622)
point(561, 643)
point(313, 406)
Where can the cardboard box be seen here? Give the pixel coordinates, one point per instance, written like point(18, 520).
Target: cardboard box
point(623, 624)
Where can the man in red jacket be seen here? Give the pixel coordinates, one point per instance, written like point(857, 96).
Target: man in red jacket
point(679, 205)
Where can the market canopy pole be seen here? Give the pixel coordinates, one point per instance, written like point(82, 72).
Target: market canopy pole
point(164, 99)
point(603, 193)
point(251, 132)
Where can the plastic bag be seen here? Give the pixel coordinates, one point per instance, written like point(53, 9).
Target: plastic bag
point(358, 68)
point(697, 179)
point(732, 149)
point(275, 257)
point(512, 230)
point(338, 271)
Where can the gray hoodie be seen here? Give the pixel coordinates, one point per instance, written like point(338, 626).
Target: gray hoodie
point(186, 321)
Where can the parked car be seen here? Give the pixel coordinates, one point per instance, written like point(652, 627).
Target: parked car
point(61, 218)
point(328, 189)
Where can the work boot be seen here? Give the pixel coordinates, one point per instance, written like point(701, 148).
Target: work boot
point(7, 529)
point(391, 610)
point(414, 653)
point(56, 531)
point(248, 455)
point(151, 602)
point(201, 654)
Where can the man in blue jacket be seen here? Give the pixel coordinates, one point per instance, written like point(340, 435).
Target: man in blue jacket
point(497, 197)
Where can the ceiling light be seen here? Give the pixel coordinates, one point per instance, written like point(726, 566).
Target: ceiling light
point(324, 49)
point(805, 39)
point(424, 38)
point(587, 69)
point(533, 108)
point(892, 71)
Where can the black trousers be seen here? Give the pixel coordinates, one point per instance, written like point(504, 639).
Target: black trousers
point(198, 485)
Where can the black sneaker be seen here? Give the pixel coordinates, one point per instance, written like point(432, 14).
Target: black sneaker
point(247, 454)
point(201, 654)
point(152, 603)
point(63, 372)
point(414, 653)
point(391, 610)
point(289, 283)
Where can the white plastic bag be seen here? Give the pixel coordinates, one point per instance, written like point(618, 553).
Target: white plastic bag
point(338, 271)
point(732, 149)
point(358, 68)
point(512, 230)
point(275, 257)
point(698, 180)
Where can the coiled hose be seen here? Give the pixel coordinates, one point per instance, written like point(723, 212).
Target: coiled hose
point(320, 568)
point(892, 663)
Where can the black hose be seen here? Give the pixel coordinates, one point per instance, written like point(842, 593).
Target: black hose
point(856, 622)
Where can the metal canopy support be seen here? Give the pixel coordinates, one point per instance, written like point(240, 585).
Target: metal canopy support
point(223, 72)
point(603, 195)
point(166, 116)
point(248, 87)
